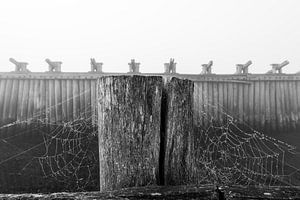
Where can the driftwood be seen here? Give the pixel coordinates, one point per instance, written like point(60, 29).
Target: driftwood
point(129, 126)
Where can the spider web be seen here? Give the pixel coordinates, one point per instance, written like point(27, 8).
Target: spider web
point(69, 151)
point(64, 153)
point(229, 152)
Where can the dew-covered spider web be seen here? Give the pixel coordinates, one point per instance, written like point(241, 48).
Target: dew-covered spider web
point(70, 151)
point(58, 154)
point(230, 152)
point(64, 154)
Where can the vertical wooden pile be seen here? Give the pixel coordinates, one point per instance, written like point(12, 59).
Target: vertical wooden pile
point(179, 139)
point(129, 111)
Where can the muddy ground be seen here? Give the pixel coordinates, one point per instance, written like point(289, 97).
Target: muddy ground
point(168, 193)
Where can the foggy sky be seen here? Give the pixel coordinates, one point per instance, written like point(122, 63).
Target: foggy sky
point(115, 31)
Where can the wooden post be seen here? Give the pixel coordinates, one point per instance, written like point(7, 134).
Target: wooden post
point(178, 162)
point(129, 113)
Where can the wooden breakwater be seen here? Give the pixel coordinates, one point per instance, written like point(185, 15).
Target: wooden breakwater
point(269, 103)
point(53, 97)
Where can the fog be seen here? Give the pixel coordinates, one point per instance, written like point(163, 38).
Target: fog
point(113, 32)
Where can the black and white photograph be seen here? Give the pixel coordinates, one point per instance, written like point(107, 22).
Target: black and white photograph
point(150, 100)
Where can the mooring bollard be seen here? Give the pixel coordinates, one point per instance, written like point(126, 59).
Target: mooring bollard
point(170, 68)
point(134, 67)
point(206, 68)
point(243, 68)
point(96, 66)
point(19, 66)
point(129, 113)
point(54, 66)
point(277, 68)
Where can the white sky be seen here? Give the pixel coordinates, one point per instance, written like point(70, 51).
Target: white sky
point(115, 31)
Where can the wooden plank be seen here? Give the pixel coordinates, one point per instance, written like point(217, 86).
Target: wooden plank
point(235, 100)
point(64, 97)
point(205, 105)
point(38, 103)
point(87, 98)
point(226, 104)
point(293, 104)
point(82, 97)
point(289, 106)
point(47, 101)
point(196, 105)
point(279, 107)
point(70, 100)
point(246, 111)
point(298, 103)
point(14, 100)
point(58, 100)
point(251, 104)
point(75, 97)
point(285, 105)
point(230, 96)
point(43, 100)
point(273, 112)
point(2, 97)
point(24, 103)
point(29, 109)
point(290, 103)
point(241, 102)
point(20, 98)
point(203, 99)
point(295, 109)
point(93, 103)
point(285, 92)
point(215, 100)
point(30, 105)
point(267, 126)
point(200, 104)
point(256, 106)
point(36, 98)
point(262, 112)
point(7, 95)
point(210, 99)
point(52, 105)
point(221, 102)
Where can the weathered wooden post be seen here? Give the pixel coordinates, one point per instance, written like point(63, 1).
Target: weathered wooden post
point(129, 113)
point(178, 158)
